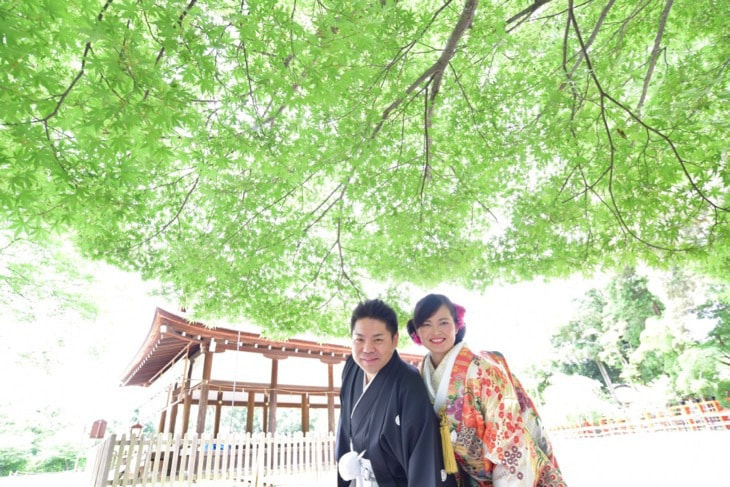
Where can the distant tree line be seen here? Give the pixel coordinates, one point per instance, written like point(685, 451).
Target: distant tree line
point(624, 335)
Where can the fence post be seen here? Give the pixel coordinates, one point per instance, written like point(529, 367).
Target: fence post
point(119, 459)
point(102, 461)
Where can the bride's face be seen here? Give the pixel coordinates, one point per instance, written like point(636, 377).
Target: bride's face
point(438, 332)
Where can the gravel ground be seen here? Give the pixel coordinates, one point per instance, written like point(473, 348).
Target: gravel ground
point(80, 479)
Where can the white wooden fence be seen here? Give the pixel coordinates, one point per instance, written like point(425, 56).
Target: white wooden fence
point(166, 460)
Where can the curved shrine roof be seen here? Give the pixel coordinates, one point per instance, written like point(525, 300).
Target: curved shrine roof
point(172, 338)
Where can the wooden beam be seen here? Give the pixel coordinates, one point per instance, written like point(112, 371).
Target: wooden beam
point(280, 404)
point(261, 387)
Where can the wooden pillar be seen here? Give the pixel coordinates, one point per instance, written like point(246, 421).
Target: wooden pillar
point(163, 420)
point(205, 385)
point(331, 398)
point(250, 405)
point(185, 394)
point(173, 419)
point(218, 407)
point(187, 404)
point(272, 395)
point(265, 422)
point(163, 414)
point(305, 413)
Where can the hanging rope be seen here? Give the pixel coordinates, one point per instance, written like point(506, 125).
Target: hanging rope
point(235, 376)
point(186, 372)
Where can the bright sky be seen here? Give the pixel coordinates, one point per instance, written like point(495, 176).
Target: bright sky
point(518, 320)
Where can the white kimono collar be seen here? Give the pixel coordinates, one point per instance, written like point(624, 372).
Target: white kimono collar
point(439, 396)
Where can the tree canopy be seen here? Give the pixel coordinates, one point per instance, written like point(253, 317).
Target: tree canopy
point(270, 159)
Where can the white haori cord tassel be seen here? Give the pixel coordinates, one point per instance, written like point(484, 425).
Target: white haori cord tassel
point(351, 467)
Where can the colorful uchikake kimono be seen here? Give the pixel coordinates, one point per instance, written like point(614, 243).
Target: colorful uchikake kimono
point(388, 434)
point(497, 436)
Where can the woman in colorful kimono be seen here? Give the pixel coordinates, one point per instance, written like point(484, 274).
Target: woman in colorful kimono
point(489, 423)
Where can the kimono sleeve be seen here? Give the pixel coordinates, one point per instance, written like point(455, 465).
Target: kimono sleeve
point(509, 448)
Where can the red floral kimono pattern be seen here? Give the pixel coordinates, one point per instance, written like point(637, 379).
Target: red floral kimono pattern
point(494, 422)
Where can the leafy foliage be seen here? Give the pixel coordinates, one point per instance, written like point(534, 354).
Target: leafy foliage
point(606, 331)
point(718, 310)
point(618, 336)
point(271, 159)
point(41, 280)
point(40, 446)
point(13, 460)
point(59, 352)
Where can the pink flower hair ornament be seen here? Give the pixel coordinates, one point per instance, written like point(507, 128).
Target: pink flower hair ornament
point(460, 312)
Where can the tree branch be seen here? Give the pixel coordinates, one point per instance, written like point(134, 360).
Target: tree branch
point(426, 144)
point(561, 12)
point(80, 73)
point(569, 74)
point(525, 14)
point(435, 72)
point(248, 78)
point(465, 21)
point(263, 209)
point(599, 24)
point(174, 218)
point(343, 271)
point(603, 95)
point(465, 187)
point(654, 54)
point(343, 187)
point(400, 100)
point(405, 49)
point(319, 268)
point(62, 96)
point(179, 22)
point(472, 111)
point(54, 152)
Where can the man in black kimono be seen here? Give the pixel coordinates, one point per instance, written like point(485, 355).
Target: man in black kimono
point(388, 434)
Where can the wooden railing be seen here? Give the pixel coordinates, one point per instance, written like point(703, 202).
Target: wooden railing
point(695, 416)
point(177, 461)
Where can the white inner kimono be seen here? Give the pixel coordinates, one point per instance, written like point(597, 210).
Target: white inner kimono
point(366, 477)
